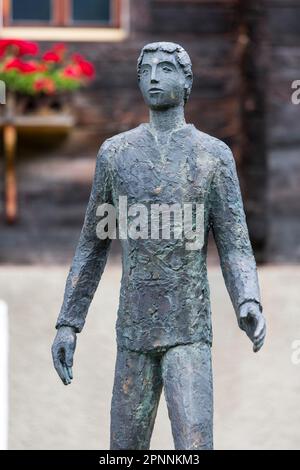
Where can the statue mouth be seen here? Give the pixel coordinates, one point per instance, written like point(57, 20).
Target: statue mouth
point(153, 90)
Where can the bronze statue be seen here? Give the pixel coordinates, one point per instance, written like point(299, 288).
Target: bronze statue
point(164, 319)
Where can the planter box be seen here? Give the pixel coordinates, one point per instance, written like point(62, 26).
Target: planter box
point(43, 115)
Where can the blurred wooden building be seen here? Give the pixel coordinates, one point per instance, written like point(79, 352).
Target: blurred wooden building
point(245, 56)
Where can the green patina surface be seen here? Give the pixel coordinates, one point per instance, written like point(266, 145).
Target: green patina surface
point(164, 329)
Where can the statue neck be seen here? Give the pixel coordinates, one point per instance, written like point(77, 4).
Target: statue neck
point(167, 120)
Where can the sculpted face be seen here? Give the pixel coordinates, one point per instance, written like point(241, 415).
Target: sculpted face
point(162, 80)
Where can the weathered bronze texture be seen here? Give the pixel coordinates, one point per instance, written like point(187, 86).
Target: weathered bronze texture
point(164, 332)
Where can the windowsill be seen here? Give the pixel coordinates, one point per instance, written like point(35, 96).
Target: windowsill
point(65, 34)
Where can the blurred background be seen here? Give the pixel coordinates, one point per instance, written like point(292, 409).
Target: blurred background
point(70, 72)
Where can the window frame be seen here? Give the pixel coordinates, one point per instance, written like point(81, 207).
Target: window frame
point(61, 17)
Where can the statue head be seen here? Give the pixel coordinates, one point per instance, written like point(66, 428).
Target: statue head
point(165, 75)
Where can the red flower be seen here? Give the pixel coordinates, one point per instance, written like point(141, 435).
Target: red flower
point(28, 48)
point(12, 64)
point(51, 56)
point(77, 58)
point(72, 71)
point(39, 67)
point(18, 47)
point(60, 49)
point(24, 67)
point(87, 68)
point(45, 85)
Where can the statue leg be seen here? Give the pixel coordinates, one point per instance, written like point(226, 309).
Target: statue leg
point(187, 379)
point(136, 393)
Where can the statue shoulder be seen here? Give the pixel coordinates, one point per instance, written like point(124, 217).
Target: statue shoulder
point(111, 149)
point(116, 141)
point(214, 146)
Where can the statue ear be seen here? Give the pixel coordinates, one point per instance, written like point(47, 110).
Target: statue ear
point(187, 87)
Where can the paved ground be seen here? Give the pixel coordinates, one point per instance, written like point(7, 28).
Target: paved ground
point(256, 396)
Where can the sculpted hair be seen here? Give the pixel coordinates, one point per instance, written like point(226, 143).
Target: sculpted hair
point(182, 57)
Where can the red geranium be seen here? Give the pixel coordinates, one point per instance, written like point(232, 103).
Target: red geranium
point(60, 49)
point(51, 56)
point(25, 67)
point(39, 66)
point(18, 47)
point(72, 71)
point(87, 68)
point(56, 71)
point(45, 85)
point(56, 54)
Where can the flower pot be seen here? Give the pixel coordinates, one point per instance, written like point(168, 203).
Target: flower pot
point(44, 105)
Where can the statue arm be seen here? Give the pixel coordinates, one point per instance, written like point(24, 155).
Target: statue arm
point(91, 253)
point(231, 234)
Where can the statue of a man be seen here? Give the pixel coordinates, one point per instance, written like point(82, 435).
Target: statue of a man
point(164, 320)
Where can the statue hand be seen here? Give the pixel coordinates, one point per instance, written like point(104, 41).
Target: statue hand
point(63, 349)
point(252, 321)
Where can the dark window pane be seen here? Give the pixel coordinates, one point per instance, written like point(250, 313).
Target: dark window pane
point(31, 10)
point(91, 10)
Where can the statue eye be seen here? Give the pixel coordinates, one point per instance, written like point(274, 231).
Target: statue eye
point(167, 69)
point(145, 71)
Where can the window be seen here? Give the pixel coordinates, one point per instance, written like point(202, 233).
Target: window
point(30, 10)
point(90, 10)
point(73, 13)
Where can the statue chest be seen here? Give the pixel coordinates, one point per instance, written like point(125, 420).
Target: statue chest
point(167, 174)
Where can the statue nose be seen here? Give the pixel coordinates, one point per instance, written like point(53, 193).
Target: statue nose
point(154, 78)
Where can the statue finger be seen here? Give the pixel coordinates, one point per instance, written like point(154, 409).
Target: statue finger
point(66, 374)
point(69, 352)
point(244, 324)
point(259, 327)
point(262, 333)
point(60, 371)
point(258, 345)
point(70, 372)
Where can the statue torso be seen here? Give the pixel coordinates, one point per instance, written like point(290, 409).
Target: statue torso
point(164, 296)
